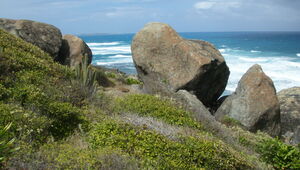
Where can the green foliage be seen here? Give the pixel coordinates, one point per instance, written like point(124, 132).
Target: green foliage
point(278, 154)
point(72, 155)
point(111, 75)
point(4, 92)
point(27, 125)
point(86, 77)
point(65, 117)
point(159, 152)
point(244, 141)
point(131, 81)
point(17, 55)
point(148, 105)
point(6, 145)
point(230, 121)
point(33, 92)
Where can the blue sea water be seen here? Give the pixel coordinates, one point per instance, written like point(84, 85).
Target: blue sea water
point(277, 52)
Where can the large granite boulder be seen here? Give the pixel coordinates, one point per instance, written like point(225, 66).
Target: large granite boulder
point(289, 100)
point(73, 50)
point(45, 36)
point(166, 63)
point(254, 103)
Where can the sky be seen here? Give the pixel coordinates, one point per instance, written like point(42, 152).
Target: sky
point(129, 16)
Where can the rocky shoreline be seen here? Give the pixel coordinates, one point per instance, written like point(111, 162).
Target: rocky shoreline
point(166, 63)
point(192, 73)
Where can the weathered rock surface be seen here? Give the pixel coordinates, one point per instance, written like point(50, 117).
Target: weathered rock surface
point(73, 50)
point(289, 100)
point(192, 103)
point(166, 63)
point(45, 36)
point(254, 103)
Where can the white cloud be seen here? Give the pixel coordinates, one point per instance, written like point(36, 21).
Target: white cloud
point(216, 4)
point(125, 12)
point(204, 5)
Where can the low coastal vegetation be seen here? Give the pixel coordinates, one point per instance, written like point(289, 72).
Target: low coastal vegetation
point(63, 118)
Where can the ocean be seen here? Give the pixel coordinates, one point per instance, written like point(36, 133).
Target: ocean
point(277, 52)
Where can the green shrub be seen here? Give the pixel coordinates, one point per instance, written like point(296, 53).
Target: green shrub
point(33, 83)
point(6, 144)
point(26, 125)
point(111, 74)
point(73, 153)
point(4, 92)
point(148, 105)
point(131, 81)
point(159, 152)
point(278, 154)
point(63, 116)
point(66, 119)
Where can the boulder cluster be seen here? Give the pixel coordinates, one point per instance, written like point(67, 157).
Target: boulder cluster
point(171, 65)
point(193, 71)
point(67, 49)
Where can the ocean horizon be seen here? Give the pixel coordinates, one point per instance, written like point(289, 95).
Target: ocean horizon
point(278, 52)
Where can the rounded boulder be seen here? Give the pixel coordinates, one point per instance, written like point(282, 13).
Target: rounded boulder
point(166, 63)
point(45, 36)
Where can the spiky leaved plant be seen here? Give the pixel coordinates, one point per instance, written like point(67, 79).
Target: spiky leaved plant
point(86, 77)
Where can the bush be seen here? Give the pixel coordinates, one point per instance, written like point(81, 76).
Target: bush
point(6, 144)
point(147, 105)
point(26, 125)
point(72, 154)
point(278, 154)
point(131, 81)
point(33, 85)
point(158, 152)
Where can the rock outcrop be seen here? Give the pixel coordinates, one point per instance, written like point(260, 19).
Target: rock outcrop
point(166, 63)
point(289, 100)
point(45, 36)
point(254, 103)
point(73, 50)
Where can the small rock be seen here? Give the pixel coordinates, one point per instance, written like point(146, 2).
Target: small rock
point(123, 89)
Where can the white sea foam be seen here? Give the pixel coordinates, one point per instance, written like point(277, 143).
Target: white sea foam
point(120, 56)
point(255, 60)
point(222, 50)
point(122, 61)
point(298, 54)
point(284, 71)
point(103, 44)
point(111, 50)
point(254, 51)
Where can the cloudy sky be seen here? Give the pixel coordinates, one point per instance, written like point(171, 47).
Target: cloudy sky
point(128, 16)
